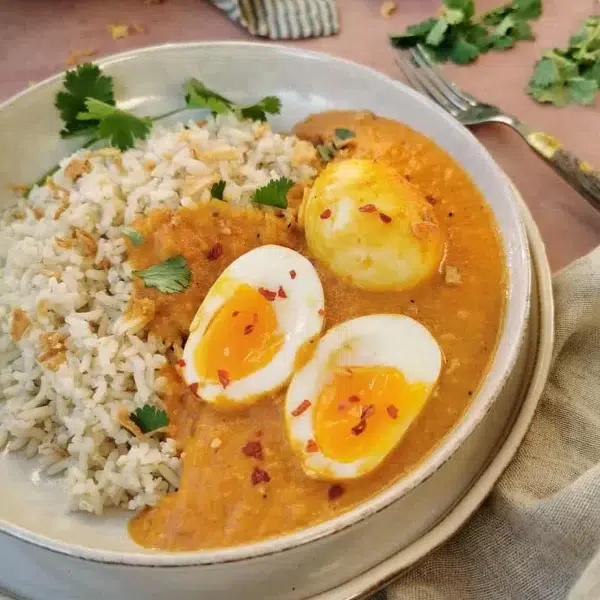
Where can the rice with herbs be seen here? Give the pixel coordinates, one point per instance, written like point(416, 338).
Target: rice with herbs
point(70, 362)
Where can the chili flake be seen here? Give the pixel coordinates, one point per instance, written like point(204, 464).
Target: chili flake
point(281, 292)
point(354, 397)
point(367, 208)
point(321, 312)
point(248, 329)
point(253, 449)
point(181, 363)
point(302, 407)
point(235, 313)
point(194, 388)
point(325, 214)
point(268, 294)
point(367, 411)
point(430, 199)
point(385, 218)
point(293, 274)
point(311, 446)
point(215, 252)
point(335, 491)
point(259, 476)
point(392, 411)
point(358, 429)
point(223, 377)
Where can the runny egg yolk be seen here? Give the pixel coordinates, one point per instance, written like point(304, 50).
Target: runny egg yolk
point(363, 411)
point(242, 338)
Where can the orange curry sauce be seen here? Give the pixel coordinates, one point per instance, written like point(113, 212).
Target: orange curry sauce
point(224, 498)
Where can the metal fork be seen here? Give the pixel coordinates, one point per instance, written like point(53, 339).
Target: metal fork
point(424, 76)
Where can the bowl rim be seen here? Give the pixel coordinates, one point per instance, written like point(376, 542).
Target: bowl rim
point(425, 469)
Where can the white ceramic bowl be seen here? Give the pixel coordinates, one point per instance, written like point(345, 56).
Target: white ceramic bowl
point(76, 556)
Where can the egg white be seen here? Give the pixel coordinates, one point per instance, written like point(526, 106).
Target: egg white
point(384, 340)
point(299, 319)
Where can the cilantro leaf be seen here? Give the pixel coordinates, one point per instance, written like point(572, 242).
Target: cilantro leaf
point(343, 134)
point(436, 35)
point(86, 81)
point(120, 128)
point(326, 151)
point(170, 276)
point(545, 73)
point(217, 189)
point(274, 193)
point(149, 418)
point(581, 90)
point(197, 95)
point(258, 112)
point(463, 52)
point(137, 239)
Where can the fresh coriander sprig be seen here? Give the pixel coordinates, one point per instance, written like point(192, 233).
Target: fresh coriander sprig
point(170, 276)
point(273, 193)
point(217, 190)
point(149, 418)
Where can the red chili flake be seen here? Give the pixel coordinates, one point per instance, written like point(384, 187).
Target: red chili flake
point(268, 294)
point(253, 449)
point(392, 411)
point(367, 208)
point(385, 218)
point(325, 214)
point(302, 407)
point(335, 491)
point(235, 313)
point(258, 433)
point(181, 363)
point(321, 312)
point(280, 214)
point(293, 274)
point(259, 476)
point(223, 377)
point(367, 411)
point(194, 388)
point(215, 252)
point(353, 398)
point(430, 199)
point(248, 329)
point(343, 405)
point(281, 292)
point(311, 446)
point(358, 429)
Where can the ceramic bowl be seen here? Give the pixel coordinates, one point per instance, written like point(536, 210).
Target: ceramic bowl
point(76, 556)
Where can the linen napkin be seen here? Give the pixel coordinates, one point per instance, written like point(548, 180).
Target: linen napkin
point(283, 19)
point(537, 537)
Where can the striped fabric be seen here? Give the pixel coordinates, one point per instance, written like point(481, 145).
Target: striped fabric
point(283, 19)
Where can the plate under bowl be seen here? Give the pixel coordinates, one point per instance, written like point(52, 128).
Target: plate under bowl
point(97, 554)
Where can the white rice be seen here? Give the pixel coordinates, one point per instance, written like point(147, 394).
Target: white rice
point(68, 417)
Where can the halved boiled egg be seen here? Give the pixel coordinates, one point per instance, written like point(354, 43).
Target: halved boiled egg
point(254, 326)
point(351, 404)
point(371, 226)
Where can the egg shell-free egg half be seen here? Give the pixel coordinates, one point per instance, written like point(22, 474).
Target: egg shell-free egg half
point(332, 441)
point(371, 226)
point(288, 293)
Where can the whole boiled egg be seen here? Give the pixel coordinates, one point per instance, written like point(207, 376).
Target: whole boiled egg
point(371, 226)
point(253, 328)
point(351, 404)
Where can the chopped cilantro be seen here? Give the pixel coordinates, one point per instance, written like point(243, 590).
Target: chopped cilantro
point(274, 193)
point(455, 35)
point(570, 75)
point(329, 149)
point(149, 418)
point(258, 112)
point(86, 81)
point(119, 127)
point(341, 133)
point(217, 189)
point(170, 276)
point(137, 239)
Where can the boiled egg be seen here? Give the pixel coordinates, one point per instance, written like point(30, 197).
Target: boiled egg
point(255, 326)
point(371, 226)
point(351, 404)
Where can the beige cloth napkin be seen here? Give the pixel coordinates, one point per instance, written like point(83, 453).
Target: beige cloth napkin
point(537, 537)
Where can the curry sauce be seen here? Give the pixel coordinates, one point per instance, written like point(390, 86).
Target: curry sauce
point(241, 482)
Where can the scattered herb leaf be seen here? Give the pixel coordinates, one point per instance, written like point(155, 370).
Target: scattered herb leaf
point(170, 276)
point(137, 239)
point(274, 193)
point(570, 75)
point(86, 81)
point(329, 149)
point(149, 418)
point(217, 189)
point(258, 112)
point(341, 133)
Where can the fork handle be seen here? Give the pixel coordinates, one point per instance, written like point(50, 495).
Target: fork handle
point(577, 173)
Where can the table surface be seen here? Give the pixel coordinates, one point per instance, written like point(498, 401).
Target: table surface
point(38, 35)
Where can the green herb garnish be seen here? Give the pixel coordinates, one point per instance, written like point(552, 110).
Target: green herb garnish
point(86, 81)
point(149, 418)
point(341, 133)
point(217, 190)
point(274, 193)
point(329, 149)
point(571, 75)
point(137, 239)
point(170, 276)
point(457, 36)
